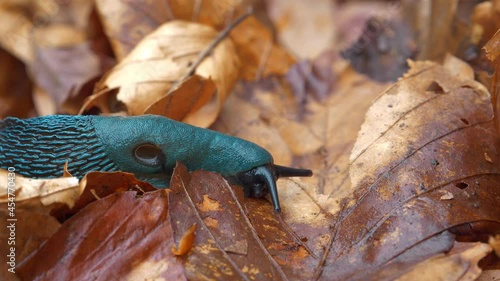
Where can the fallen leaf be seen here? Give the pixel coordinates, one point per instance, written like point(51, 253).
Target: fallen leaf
point(132, 234)
point(307, 28)
point(63, 61)
point(25, 232)
point(36, 192)
point(256, 48)
point(461, 264)
point(232, 245)
point(184, 103)
point(125, 24)
point(96, 185)
point(15, 88)
point(396, 202)
point(145, 76)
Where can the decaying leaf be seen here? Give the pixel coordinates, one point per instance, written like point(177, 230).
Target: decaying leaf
point(460, 264)
point(25, 231)
point(256, 48)
point(306, 38)
point(134, 245)
point(39, 191)
point(228, 245)
point(146, 75)
point(125, 23)
point(15, 88)
point(96, 185)
point(396, 202)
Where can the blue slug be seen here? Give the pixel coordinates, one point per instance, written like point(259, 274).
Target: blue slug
point(147, 146)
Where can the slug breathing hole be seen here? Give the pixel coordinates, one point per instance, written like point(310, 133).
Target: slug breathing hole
point(465, 121)
point(461, 185)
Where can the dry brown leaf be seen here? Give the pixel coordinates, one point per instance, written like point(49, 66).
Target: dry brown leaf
point(15, 29)
point(256, 48)
point(460, 264)
point(405, 155)
point(132, 234)
point(15, 88)
point(96, 185)
point(307, 28)
point(35, 191)
point(164, 56)
point(125, 23)
point(63, 61)
point(185, 101)
point(25, 232)
point(240, 238)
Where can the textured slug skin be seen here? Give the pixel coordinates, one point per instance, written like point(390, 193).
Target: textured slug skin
point(39, 147)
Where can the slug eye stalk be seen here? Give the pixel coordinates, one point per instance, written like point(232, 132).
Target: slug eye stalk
point(262, 179)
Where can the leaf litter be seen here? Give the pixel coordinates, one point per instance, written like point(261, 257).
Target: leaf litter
point(389, 202)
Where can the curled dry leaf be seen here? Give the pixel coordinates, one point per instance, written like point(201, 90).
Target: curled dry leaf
point(132, 234)
point(426, 134)
point(33, 192)
point(146, 75)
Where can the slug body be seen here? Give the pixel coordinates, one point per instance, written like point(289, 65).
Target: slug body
point(147, 146)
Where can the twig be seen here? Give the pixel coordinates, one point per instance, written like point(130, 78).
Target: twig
point(221, 36)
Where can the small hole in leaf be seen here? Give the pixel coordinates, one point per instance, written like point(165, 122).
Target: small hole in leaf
point(461, 185)
point(466, 122)
point(436, 88)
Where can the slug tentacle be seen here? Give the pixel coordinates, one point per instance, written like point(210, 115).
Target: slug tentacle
point(257, 182)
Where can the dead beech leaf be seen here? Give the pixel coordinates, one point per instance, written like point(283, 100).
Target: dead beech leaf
point(63, 61)
point(310, 132)
point(247, 242)
point(184, 102)
point(125, 24)
point(34, 191)
point(460, 264)
point(95, 185)
point(26, 231)
point(405, 157)
point(305, 37)
point(256, 48)
point(164, 56)
point(186, 242)
point(132, 234)
point(15, 88)
point(15, 29)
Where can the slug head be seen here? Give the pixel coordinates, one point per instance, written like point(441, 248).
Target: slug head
point(259, 181)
